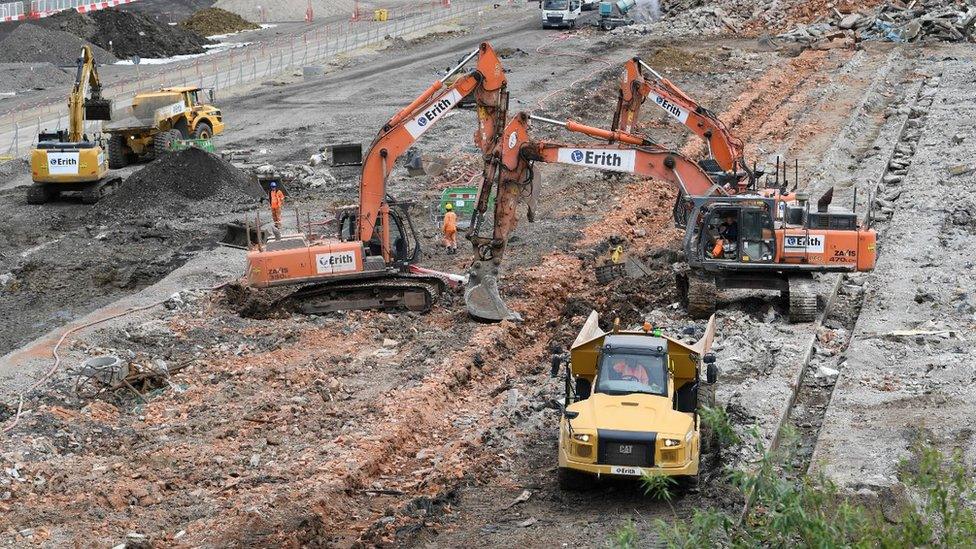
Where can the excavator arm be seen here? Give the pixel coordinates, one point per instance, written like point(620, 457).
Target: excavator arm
point(488, 84)
point(80, 107)
point(636, 86)
point(511, 170)
point(633, 155)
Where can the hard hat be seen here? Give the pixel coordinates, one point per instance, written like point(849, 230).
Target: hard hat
point(274, 184)
point(448, 206)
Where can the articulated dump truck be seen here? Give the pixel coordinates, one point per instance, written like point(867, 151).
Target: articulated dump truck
point(632, 403)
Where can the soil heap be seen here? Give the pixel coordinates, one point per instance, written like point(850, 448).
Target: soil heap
point(190, 181)
point(30, 43)
point(170, 11)
point(129, 33)
point(212, 21)
point(17, 77)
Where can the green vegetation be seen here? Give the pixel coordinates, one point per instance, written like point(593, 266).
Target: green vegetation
point(789, 509)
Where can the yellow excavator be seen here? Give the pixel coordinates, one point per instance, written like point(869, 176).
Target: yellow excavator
point(69, 160)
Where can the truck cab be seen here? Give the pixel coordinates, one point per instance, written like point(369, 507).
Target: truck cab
point(560, 13)
point(631, 404)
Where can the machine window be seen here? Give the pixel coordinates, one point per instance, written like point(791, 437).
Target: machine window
point(556, 4)
point(626, 373)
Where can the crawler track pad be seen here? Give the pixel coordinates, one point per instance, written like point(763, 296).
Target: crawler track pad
point(481, 295)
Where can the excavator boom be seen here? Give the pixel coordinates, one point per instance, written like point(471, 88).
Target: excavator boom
point(487, 81)
point(640, 82)
point(80, 107)
point(511, 169)
point(368, 264)
point(634, 155)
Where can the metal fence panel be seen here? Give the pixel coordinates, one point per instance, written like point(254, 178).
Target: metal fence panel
point(18, 132)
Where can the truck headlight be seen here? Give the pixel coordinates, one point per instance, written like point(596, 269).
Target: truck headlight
point(671, 442)
point(689, 435)
point(582, 438)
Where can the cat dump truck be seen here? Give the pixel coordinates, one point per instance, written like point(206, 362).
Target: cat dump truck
point(631, 404)
point(157, 121)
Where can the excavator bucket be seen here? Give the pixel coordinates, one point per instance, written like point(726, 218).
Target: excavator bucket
point(347, 154)
point(481, 295)
point(236, 235)
point(98, 109)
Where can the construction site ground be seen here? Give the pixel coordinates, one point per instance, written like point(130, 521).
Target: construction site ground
point(434, 430)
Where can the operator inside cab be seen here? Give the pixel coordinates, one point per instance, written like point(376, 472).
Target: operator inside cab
point(625, 373)
point(725, 238)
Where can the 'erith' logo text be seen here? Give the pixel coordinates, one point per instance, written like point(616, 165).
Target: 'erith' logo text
point(432, 113)
point(669, 106)
point(605, 159)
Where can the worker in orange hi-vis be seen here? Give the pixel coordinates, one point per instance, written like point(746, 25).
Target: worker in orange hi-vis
point(277, 201)
point(450, 228)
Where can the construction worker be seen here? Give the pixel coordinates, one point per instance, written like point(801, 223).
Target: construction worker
point(450, 228)
point(277, 201)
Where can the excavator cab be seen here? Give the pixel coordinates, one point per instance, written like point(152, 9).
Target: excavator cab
point(404, 244)
point(743, 233)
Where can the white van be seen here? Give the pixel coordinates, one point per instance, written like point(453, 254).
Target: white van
point(560, 13)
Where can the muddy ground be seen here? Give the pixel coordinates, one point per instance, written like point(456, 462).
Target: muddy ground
point(370, 428)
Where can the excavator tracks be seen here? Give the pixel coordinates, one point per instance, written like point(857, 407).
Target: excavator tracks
point(803, 300)
point(700, 296)
point(411, 293)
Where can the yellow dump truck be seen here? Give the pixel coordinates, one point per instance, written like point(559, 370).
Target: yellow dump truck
point(631, 404)
point(156, 120)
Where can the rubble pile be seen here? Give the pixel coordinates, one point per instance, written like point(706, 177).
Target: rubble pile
point(812, 20)
point(706, 20)
point(214, 21)
point(313, 175)
point(896, 21)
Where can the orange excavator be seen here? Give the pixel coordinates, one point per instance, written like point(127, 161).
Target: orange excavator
point(370, 262)
point(726, 160)
point(730, 242)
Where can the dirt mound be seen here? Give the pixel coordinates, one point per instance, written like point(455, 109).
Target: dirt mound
point(129, 33)
point(170, 11)
point(213, 21)
point(18, 77)
point(30, 43)
point(191, 180)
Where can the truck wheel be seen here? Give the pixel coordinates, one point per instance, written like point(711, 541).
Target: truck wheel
point(203, 131)
point(573, 481)
point(688, 484)
point(163, 141)
point(116, 152)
